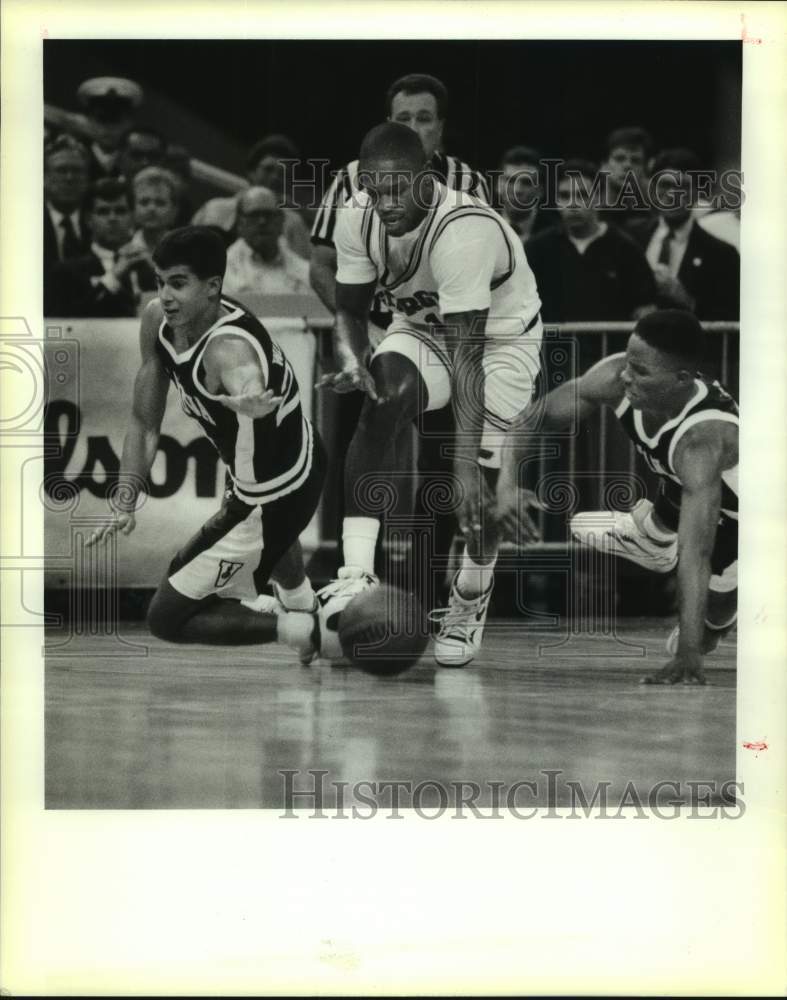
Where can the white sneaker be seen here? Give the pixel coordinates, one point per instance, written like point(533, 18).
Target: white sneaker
point(350, 581)
point(461, 627)
point(333, 599)
point(296, 628)
point(621, 533)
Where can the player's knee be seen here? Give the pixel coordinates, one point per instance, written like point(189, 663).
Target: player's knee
point(161, 623)
point(392, 411)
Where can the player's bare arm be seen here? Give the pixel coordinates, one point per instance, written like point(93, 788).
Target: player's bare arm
point(233, 370)
point(563, 407)
point(700, 458)
point(322, 275)
point(141, 441)
point(351, 340)
point(466, 342)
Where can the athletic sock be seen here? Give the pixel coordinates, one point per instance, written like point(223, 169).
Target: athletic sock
point(300, 598)
point(359, 537)
point(474, 579)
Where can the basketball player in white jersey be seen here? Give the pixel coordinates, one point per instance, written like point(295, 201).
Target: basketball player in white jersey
point(686, 429)
point(419, 101)
point(239, 387)
point(466, 329)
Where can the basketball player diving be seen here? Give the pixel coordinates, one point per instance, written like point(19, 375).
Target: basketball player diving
point(686, 429)
point(466, 328)
point(239, 387)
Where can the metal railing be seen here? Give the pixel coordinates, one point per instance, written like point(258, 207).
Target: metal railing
point(594, 468)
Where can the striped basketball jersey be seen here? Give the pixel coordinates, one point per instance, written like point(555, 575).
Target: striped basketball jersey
point(269, 456)
point(449, 170)
point(461, 257)
point(709, 402)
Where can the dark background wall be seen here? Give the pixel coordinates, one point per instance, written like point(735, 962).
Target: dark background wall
point(560, 96)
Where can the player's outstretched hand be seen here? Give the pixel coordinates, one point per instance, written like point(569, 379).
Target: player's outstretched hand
point(120, 523)
point(681, 669)
point(348, 380)
point(512, 505)
point(253, 404)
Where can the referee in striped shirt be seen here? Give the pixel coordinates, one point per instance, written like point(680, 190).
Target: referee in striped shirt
point(418, 101)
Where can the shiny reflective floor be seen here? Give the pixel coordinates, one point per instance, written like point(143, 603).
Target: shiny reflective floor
point(135, 723)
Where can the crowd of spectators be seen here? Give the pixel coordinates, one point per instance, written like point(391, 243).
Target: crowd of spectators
point(601, 245)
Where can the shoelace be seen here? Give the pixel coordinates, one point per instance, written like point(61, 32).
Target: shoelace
point(446, 617)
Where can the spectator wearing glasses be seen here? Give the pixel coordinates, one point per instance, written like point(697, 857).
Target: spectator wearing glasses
point(269, 164)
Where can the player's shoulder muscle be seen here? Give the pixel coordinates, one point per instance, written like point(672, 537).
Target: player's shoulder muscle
point(150, 322)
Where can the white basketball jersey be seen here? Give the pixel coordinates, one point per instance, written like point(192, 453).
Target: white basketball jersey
point(463, 256)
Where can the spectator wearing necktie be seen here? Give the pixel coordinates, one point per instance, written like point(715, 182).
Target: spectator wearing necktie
point(97, 283)
point(693, 270)
point(66, 230)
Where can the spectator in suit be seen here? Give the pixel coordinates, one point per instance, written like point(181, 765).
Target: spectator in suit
point(110, 103)
point(520, 191)
point(155, 197)
point(626, 155)
point(269, 164)
point(587, 269)
point(693, 270)
point(66, 230)
point(98, 283)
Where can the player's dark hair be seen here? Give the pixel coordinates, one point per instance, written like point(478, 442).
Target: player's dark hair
point(419, 83)
point(680, 158)
point(280, 146)
point(107, 189)
point(674, 332)
point(198, 247)
point(392, 141)
point(632, 137)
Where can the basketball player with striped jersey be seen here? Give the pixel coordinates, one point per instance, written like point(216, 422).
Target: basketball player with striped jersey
point(466, 329)
point(685, 427)
point(236, 383)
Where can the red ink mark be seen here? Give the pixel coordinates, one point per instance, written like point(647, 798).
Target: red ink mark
point(746, 38)
point(757, 745)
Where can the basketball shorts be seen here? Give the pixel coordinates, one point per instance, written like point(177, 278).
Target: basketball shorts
point(724, 557)
point(234, 553)
point(511, 365)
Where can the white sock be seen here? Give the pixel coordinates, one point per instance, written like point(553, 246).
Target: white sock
point(359, 537)
point(474, 579)
point(655, 533)
point(300, 598)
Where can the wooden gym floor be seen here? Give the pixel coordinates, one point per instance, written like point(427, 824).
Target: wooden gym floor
point(135, 723)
